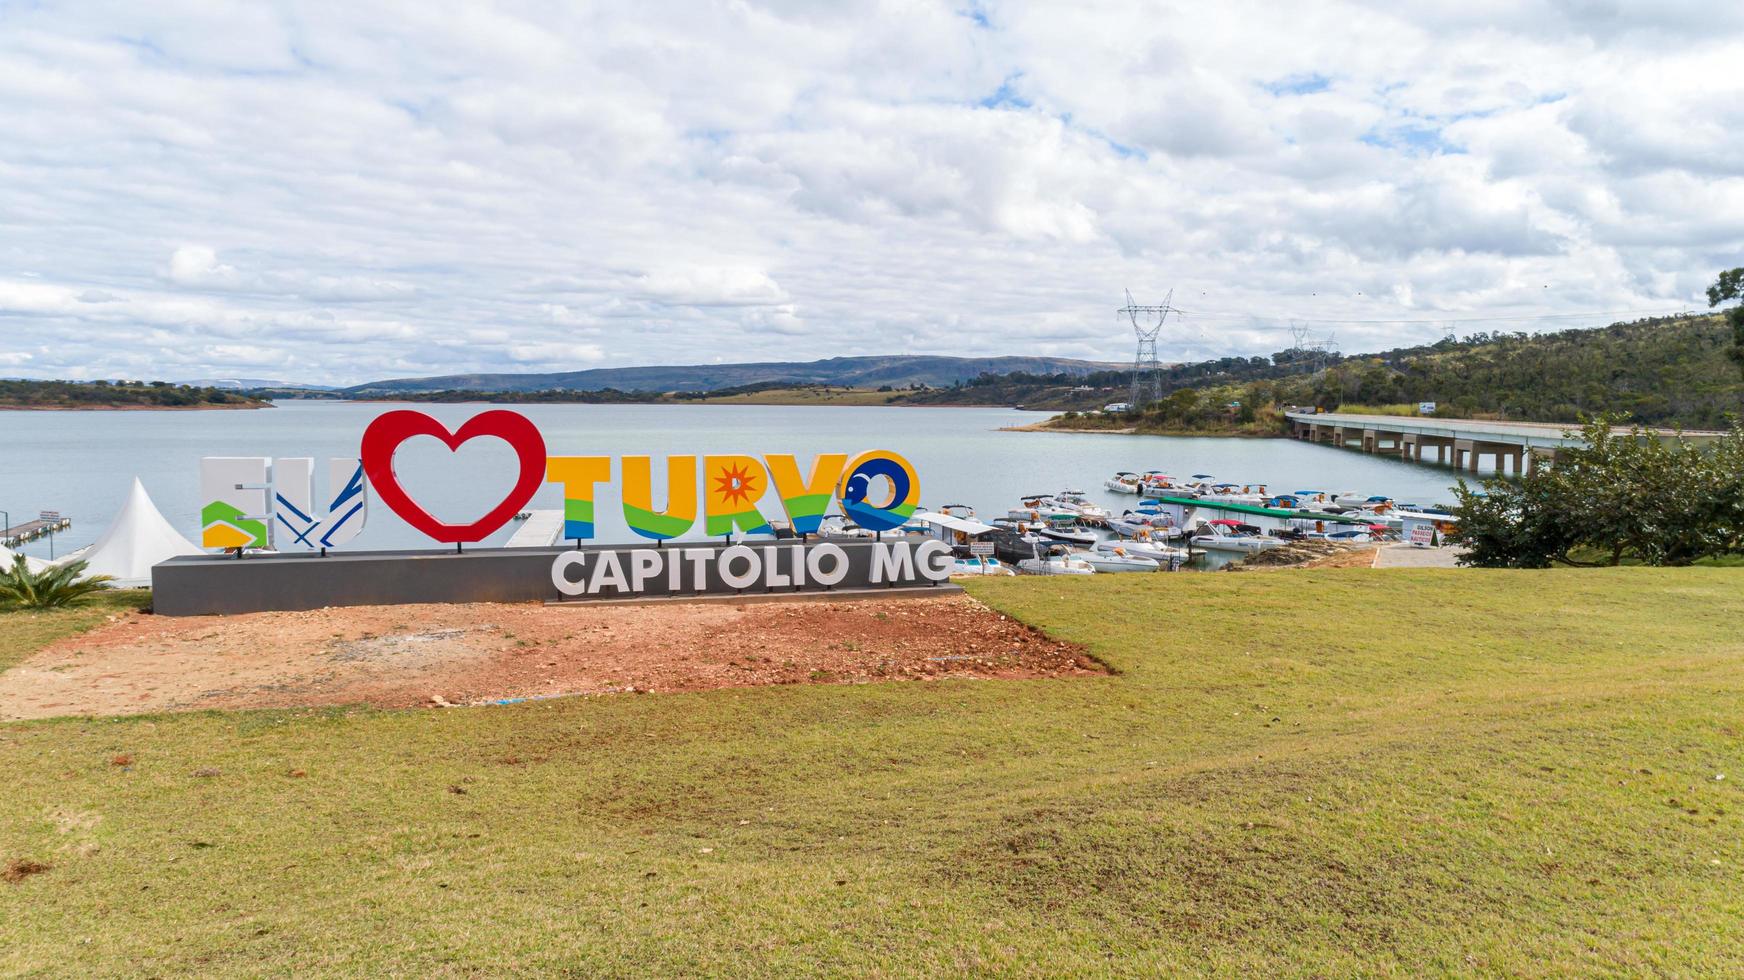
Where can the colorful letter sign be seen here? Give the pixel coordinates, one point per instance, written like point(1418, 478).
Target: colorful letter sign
point(859, 489)
point(578, 475)
point(733, 485)
point(680, 513)
point(806, 501)
point(255, 503)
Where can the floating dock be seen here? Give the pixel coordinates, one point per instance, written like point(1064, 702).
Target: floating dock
point(31, 530)
point(541, 529)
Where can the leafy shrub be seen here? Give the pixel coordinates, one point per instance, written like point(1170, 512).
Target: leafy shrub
point(51, 588)
point(1623, 495)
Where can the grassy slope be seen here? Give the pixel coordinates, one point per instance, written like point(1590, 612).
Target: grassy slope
point(1290, 774)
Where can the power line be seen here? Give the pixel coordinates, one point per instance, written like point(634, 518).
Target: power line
point(1476, 319)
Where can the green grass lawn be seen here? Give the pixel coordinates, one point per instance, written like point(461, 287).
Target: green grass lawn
point(1324, 772)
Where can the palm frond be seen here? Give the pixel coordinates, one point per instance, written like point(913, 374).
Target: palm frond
point(53, 587)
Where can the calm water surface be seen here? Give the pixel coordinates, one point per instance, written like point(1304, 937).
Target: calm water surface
point(82, 463)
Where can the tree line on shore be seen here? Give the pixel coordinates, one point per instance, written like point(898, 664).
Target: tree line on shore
point(116, 394)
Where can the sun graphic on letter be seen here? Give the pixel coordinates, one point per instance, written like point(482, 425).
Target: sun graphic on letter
point(735, 485)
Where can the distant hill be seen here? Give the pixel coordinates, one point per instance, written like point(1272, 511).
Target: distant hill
point(250, 384)
point(896, 370)
point(1660, 371)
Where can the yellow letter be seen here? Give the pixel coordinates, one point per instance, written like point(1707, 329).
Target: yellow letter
point(680, 512)
point(807, 500)
point(578, 474)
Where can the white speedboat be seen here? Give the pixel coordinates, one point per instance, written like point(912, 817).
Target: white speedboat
point(1138, 524)
point(1039, 508)
point(1234, 542)
point(840, 528)
point(1225, 535)
point(1058, 563)
point(1128, 525)
point(1155, 484)
point(1113, 561)
point(1122, 482)
point(980, 566)
point(1160, 553)
point(1075, 502)
point(1069, 535)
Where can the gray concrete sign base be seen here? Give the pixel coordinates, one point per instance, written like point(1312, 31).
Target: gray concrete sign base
point(208, 585)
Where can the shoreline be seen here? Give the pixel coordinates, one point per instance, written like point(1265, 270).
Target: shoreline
point(134, 408)
point(670, 403)
point(1134, 431)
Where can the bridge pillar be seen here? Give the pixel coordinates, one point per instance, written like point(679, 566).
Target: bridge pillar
point(1465, 455)
point(1409, 447)
point(1538, 456)
point(1371, 440)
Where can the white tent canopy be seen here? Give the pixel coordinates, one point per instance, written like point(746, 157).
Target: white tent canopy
point(34, 564)
point(139, 539)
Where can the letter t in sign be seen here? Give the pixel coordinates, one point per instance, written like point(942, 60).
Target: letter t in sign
point(579, 475)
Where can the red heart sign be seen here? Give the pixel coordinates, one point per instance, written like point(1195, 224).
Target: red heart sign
point(383, 438)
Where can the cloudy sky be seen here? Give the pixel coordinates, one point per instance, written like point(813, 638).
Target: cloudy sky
point(347, 191)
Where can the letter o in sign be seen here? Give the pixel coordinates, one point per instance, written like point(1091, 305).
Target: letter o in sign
point(814, 564)
point(865, 476)
point(739, 580)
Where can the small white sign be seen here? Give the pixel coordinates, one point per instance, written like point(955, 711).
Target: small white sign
point(1423, 535)
point(980, 547)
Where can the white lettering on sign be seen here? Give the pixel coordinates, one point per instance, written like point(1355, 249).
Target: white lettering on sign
point(892, 562)
point(778, 568)
point(738, 580)
point(935, 560)
point(608, 571)
point(560, 573)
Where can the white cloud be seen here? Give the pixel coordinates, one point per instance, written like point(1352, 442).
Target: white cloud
point(394, 188)
point(708, 286)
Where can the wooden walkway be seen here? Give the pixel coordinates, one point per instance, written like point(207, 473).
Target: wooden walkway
point(31, 530)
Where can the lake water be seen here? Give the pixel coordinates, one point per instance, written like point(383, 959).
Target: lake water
point(82, 463)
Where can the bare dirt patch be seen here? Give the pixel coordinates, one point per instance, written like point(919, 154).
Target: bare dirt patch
point(19, 869)
point(399, 656)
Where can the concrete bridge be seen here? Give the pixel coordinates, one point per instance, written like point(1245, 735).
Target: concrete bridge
point(1459, 443)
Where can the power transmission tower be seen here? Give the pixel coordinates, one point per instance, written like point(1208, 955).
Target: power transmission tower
point(1147, 371)
point(1299, 354)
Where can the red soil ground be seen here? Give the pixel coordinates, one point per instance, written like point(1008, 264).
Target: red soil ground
point(400, 656)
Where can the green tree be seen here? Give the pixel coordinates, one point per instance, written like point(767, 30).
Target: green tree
point(1728, 287)
point(1621, 495)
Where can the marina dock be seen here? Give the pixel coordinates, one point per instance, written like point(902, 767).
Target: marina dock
point(541, 529)
point(1459, 443)
point(14, 536)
